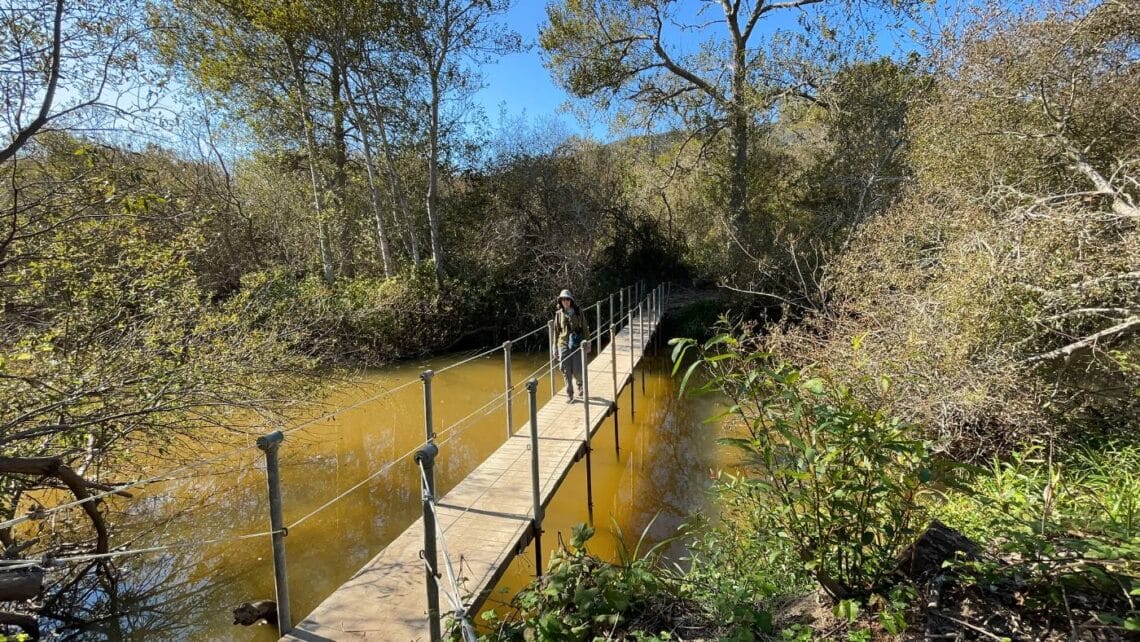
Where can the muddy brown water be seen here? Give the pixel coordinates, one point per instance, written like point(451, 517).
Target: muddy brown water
point(657, 480)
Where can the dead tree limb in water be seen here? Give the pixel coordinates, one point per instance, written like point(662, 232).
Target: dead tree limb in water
point(77, 484)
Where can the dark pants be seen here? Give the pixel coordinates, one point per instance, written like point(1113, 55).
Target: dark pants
point(570, 363)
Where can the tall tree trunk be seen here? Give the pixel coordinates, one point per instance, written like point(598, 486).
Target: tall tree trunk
point(738, 126)
point(340, 174)
point(374, 192)
point(399, 192)
point(327, 265)
point(401, 208)
point(738, 185)
point(433, 180)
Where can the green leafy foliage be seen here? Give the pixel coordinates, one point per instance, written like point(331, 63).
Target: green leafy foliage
point(732, 571)
point(843, 482)
point(362, 320)
point(580, 597)
point(1068, 524)
point(984, 289)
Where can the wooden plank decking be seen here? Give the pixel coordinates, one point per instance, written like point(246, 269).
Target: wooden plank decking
point(485, 518)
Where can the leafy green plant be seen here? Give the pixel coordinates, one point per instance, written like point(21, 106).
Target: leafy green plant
point(841, 481)
point(797, 633)
point(728, 570)
point(580, 596)
point(847, 610)
point(1066, 525)
point(892, 617)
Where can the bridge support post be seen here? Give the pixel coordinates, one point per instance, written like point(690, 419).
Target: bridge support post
point(553, 353)
point(612, 319)
point(613, 368)
point(586, 436)
point(632, 363)
point(269, 445)
point(536, 525)
point(598, 324)
point(507, 376)
point(425, 459)
point(426, 377)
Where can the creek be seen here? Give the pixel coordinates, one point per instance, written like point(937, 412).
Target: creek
point(656, 480)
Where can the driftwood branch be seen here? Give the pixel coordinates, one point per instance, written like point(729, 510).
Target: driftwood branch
point(1086, 342)
point(54, 467)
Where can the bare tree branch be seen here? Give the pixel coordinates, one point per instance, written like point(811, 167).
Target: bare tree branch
point(25, 134)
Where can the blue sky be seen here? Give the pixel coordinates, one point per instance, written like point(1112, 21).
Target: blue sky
point(519, 82)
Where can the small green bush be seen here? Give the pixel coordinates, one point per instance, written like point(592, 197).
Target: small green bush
point(580, 596)
point(841, 482)
point(362, 320)
point(1065, 525)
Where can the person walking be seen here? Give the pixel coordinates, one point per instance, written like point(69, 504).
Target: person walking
point(570, 331)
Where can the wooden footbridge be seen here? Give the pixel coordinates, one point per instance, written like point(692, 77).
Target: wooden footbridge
point(496, 511)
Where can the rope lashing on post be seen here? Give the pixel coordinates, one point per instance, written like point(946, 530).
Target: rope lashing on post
point(453, 595)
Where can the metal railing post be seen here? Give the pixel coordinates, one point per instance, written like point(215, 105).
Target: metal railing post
point(621, 304)
point(426, 377)
point(640, 330)
point(653, 319)
point(536, 525)
point(598, 325)
point(632, 365)
point(270, 444)
point(642, 341)
point(613, 369)
point(553, 352)
point(425, 457)
point(586, 436)
point(611, 311)
point(507, 375)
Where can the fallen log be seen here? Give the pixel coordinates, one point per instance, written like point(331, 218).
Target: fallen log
point(26, 622)
point(248, 613)
point(21, 584)
point(924, 558)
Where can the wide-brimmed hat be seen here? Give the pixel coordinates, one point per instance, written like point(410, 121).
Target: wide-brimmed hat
point(565, 294)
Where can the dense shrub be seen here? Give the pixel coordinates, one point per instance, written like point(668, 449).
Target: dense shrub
point(1000, 293)
point(362, 320)
point(839, 479)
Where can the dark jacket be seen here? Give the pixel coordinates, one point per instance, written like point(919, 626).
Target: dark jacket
point(565, 323)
